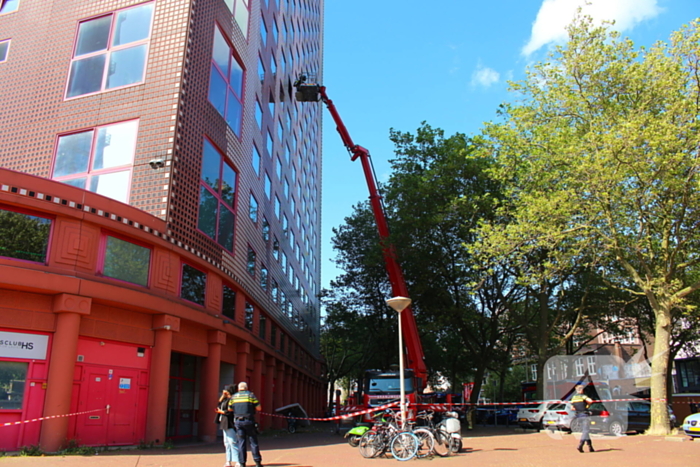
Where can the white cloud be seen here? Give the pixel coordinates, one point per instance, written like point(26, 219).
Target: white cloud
point(554, 15)
point(485, 76)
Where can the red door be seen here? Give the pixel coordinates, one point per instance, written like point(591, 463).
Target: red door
point(111, 398)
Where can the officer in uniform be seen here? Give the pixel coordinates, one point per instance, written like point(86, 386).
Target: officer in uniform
point(580, 401)
point(244, 404)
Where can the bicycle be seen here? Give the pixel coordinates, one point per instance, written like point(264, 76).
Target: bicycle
point(386, 435)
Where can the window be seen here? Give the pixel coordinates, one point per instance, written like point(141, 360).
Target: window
point(228, 308)
point(590, 360)
point(262, 326)
point(216, 198)
point(533, 372)
point(276, 248)
point(12, 382)
point(579, 366)
point(256, 161)
point(268, 186)
point(263, 277)
point(226, 83)
point(23, 236)
point(126, 261)
point(110, 51)
point(273, 334)
point(253, 209)
point(241, 13)
point(249, 313)
point(193, 285)
point(265, 230)
point(9, 7)
point(263, 32)
point(99, 160)
point(274, 290)
point(4, 47)
point(251, 262)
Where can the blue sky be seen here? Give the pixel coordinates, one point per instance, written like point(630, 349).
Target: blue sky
point(396, 63)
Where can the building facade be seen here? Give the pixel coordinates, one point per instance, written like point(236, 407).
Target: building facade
point(159, 216)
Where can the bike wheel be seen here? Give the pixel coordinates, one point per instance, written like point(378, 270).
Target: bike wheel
point(292, 427)
point(427, 442)
point(443, 443)
point(367, 444)
point(404, 446)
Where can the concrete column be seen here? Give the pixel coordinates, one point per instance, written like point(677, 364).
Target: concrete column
point(268, 398)
point(163, 327)
point(209, 391)
point(64, 347)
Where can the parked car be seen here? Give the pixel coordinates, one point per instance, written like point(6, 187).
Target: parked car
point(530, 416)
point(619, 417)
point(691, 425)
point(558, 416)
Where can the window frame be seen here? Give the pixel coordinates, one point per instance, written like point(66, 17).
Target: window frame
point(49, 238)
point(109, 50)
point(214, 68)
point(232, 208)
point(91, 173)
point(103, 253)
point(204, 292)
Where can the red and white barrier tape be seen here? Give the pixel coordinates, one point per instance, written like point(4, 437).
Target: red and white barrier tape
point(338, 417)
point(50, 417)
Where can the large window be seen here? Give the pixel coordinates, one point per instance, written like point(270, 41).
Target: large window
point(126, 261)
point(111, 51)
point(217, 196)
point(23, 236)
point(226, 83)
point(193, 284)
point(99, 160)
point(12, 379)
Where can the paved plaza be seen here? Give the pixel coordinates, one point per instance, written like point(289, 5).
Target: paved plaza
point(319, 446)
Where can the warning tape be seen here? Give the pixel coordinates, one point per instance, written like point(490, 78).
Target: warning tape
point(50, 417)
point(338, 417)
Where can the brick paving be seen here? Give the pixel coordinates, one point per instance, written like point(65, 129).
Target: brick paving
point(319, 446)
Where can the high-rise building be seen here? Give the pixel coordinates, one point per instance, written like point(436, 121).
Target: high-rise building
point(160, 195)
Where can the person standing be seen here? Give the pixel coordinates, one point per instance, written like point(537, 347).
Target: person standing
point(581, 402)
point(226, 424)
point(244, 404)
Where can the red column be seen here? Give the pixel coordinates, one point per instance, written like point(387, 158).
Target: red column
point(210, 390)
point(241, 372)
point(59, 386)
point(280, 386)
point(256, 381)
point(289, 386)
point(164, 326)
point(268, 401)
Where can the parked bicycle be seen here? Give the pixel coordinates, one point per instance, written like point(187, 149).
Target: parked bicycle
point(385, 436)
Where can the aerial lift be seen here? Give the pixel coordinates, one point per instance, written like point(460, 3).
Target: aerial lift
point(309, 90)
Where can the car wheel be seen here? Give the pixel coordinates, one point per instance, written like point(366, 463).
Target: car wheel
point(616, 429)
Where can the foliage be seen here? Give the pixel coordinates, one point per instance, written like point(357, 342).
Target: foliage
point(33, 450)
point(600, 161)
point(23, 236)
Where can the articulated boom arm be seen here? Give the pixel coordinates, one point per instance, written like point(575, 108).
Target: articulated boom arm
point(308, 92)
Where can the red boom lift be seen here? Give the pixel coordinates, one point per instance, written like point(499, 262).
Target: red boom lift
point(308, 90)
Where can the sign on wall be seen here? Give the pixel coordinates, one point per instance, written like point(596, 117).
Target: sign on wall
point(19, 345)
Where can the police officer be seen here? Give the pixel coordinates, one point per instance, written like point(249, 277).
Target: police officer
point(244, 404)
point(580, 401)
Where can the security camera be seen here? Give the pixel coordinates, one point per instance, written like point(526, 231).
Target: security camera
point(156, 163)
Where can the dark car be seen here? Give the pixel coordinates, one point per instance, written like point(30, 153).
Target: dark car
point(619, 417)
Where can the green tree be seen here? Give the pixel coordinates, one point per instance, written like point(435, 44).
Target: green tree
point(600, 157)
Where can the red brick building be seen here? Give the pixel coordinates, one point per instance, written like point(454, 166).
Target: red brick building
point(159, 215)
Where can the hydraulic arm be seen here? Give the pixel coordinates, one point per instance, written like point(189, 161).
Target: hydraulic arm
point(308, 91)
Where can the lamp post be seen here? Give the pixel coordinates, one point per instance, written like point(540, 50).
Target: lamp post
point(399, 304)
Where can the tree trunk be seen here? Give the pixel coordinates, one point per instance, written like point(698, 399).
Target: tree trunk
point(659, 369)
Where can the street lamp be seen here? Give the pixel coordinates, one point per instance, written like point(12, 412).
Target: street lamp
point(399, 304)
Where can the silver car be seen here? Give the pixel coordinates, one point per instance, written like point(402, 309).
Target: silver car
point(531, 415)
point(558, 416)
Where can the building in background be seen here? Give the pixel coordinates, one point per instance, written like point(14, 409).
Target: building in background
point(159, 215)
